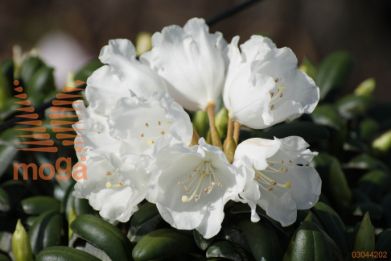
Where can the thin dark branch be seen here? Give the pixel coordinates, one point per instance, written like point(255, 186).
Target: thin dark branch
point(230, 12)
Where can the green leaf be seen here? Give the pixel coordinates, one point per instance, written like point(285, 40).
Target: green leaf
point(39, 204)
point(368, 128)
point(227, 250)
point(375, 183)
point(309, 68)
point(60, 253)
point(309, 244)
point(29, 67)
point(366, 162)
point(353, 106)
point(103, 235)
point(332, 224)
point(4, 201)
point(327, 115)
point(308, 130)
point(3, 257)
point(46, 231)
point(163, 244)
point(200, 241)
point(333, 72)
point(144, 221)
point(41, 85)
point(262, 240)
point(383, 242)
point(383, 142)
point(87, 70)
point(365, 236)
point(334, 179)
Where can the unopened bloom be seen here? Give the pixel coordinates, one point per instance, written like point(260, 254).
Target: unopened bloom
point(279, 178)
point(192, 186)
point(192, 60)
point(264, 85)
point(114, 184)
point(122, 75)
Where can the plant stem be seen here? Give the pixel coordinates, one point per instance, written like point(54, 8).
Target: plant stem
point(210, 109)
point(236, 131)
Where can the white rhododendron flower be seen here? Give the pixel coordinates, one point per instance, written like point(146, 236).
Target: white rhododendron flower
point(264, 85)
point(192, 60)
point(193, 185)
point(280, 179)
point(141, 123)
point(114, 184)
point(122, 75)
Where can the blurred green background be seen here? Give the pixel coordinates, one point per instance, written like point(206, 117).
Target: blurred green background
point(311, 28)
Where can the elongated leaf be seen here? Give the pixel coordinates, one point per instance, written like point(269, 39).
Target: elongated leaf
point(227, 250)
point(332, 224)
point(60, 253)
point(46, 231)
point(327, 115)
point(384, 241)
point(352, 106)
point(145, 220)
point(334, 179)
point(4, 201)
point(29, 67)
point(200, 241)
point(262, 240)
point(39, 204)
point(309, 244)
point(103, 235)
point(333, 72)
point(163, 244)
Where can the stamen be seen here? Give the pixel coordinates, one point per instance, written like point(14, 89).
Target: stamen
point(194, 184)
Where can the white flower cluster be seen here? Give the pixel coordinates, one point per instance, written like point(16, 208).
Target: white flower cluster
point(139, 140)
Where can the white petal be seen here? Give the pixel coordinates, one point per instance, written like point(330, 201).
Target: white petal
point(192, 60)
point(257, 150)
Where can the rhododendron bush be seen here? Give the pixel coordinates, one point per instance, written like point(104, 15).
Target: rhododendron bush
point(198, 148)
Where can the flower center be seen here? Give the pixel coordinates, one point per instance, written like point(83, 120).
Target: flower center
point(151, 131)
point(202, 180)
point(276, 94)
point(274, 168)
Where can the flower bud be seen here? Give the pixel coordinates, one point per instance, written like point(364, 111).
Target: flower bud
point(383, 143)
point(143, 42)
point(365, 88)
point(221, 122)
point(21, 247)
point(201, 123)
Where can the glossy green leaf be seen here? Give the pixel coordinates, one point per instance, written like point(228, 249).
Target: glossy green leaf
point(39, 204)
point(383, 142)
point(103, 235)
point(333, 72)
point(365, 236)
point(29, 67)
point(163, 244)
point(145, 220)
point(46, 231)
point(4, 201)
point(262, 240)
point(309, 244)
point(334, 180)
point(366, 162)
point(200, 241)
point(368, 128)
point(227, 250)
point(60, 253)
point(332, 224)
